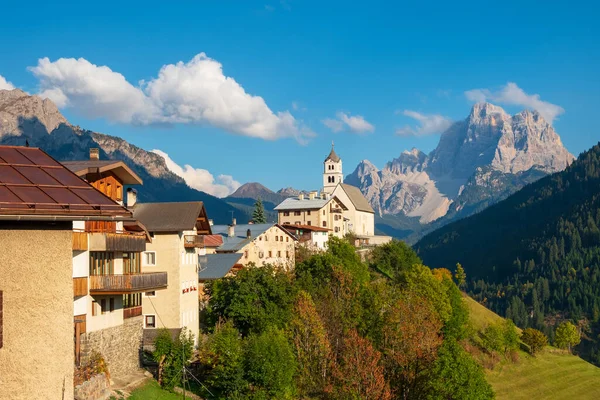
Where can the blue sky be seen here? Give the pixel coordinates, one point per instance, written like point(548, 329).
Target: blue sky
point(283, 68)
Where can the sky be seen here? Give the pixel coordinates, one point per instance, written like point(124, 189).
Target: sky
point(242, 91)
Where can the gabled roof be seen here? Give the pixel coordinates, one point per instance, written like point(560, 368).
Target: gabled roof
point(240, 237)
point(216, 266)
point(117, 167)
point(293, 203)
point(172, 217)
point(332, 156)
point(34, 184)
point(357, 198)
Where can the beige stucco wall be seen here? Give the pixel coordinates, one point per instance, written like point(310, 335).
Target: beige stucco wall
point(363, 223)
point(188, 276)
point(266, 242)
point(316, 218)
point(36, 361)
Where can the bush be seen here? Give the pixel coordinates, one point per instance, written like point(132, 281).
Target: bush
point(534, 339)
point(172, 355)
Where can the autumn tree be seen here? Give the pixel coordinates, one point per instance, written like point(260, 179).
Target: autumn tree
point(359, 373)
point(567, 336)
point(312, 347)
point(411, 338)
point(535, 339)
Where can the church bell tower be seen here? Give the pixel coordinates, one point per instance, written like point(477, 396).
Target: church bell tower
point(332, 171)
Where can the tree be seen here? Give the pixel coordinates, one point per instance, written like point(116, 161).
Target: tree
point(226, 357)
point(172, 355)
point(493, 338)
point(258, 215)
point(511, 336)
point(567, 336)
point(270, 364)
point(460, 275)
point(535, 339)
point(455, 375)
point(312, 346)
point(359, 373)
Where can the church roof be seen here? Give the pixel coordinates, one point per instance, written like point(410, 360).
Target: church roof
point(357, 198)
point(332, 156)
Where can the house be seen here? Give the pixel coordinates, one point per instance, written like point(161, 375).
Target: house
point(177, 231)
point(40, 200)
point(108, 277)
point(216, 266)
point(323, 211)
point(313, 237)
point(258, 243)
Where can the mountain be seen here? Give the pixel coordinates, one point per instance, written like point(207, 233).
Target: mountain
point(254, 191)
point(39, 122)
point(477, 162)
point(534, 256)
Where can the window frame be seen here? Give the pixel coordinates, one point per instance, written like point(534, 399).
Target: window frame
point(144, 254)
point(146, 325)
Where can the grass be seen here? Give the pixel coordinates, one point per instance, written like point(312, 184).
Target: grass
point(552, 374)
point(151, 391)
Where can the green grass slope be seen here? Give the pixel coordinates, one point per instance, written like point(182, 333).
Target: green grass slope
point(552, 374)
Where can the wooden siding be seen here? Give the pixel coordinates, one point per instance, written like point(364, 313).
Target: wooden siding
point(132, 312)
point(123, 284)
point(108, 184)
point(80, 286)
point(80, 241)
point(117, 242)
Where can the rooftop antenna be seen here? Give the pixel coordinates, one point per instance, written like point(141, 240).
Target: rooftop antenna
point(232, 215)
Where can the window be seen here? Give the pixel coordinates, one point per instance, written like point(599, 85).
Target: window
point(270, 254)
point(103, 306)
point(337, 228)
point(286, 213)
point(296, 213)
point(277, 238)
point(308, 212)
point(111, 304)
point(281, 238)
point(308, 223)
point(287, 238)
point(287, 254)
point(150, 321)
point(131, 263)
point(278, 254)
point(323, 212)
point(324, 224)
point(245, 253)
point(101, 263)
point(119, 192)
point(1, 311)
point(266, 238)
point(149, 258)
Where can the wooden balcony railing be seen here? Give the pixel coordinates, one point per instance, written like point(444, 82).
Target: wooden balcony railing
point(337, 210)
point(132, 312)
point(117, 242)
point(80, 241)
point(80, 286)
point(193, 241)
point(123, 284)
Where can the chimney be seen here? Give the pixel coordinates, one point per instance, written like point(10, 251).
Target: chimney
point(312, 195)
point(131, 197)
point(248, 234)
point(233, 222)
point(94, 153)
point(211, 222)
point(231, 231)
point(323, 195)
point(301, 196)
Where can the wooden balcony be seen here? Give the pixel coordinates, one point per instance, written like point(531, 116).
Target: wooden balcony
point(337, 210)
point(106, 241)
point(132, 312)
point(124, 284)
point(80, 241)
point(80, 287)
point(193, 241)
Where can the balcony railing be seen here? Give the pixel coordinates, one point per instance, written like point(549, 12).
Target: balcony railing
point(123, 284)
point(80, 287)
point(124, 241)
point(132, 312)
point(193, 241)
point(337, 210)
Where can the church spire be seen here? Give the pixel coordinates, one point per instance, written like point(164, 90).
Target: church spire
point(332, 156)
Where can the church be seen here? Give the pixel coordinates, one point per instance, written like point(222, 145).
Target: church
point(340, 208)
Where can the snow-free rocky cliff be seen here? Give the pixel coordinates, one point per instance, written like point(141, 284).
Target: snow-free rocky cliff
point(479, 160)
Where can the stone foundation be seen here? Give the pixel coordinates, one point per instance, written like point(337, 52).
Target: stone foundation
point(120, 346)
point(97, 388)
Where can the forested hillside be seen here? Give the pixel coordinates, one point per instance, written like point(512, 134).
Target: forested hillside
point(534, 257)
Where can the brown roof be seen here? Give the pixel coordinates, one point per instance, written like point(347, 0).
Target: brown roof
point(171, 217)
point(357, 198)
point(212, 240)
point(332, 156)
point(119, 168)
point(33, 183)
point(306, 227)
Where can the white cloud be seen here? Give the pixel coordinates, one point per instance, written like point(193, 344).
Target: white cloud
point(201, 179)
point(4, 84)
point(514, 95)
point(196, 92)
point(354, 123)
point(428, 124)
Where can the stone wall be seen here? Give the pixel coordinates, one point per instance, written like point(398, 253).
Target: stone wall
point(119, 346)
point(97, 388)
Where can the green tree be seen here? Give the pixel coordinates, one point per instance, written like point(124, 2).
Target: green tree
point(493, 338)
point(460, 275)
point(172, 355)
point(226, 360)
point(455, 375)
point(511, 336)
point(270, 364)
point(535, 339)
point(393, 259)
point(258, 215)
point(567, 336)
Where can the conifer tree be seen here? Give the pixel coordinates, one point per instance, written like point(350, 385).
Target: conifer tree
point(258, 216)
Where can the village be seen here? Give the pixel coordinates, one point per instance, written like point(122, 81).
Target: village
point(109, 272)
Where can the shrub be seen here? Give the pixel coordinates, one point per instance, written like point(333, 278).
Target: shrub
point(567, 336)
point(534, 339)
